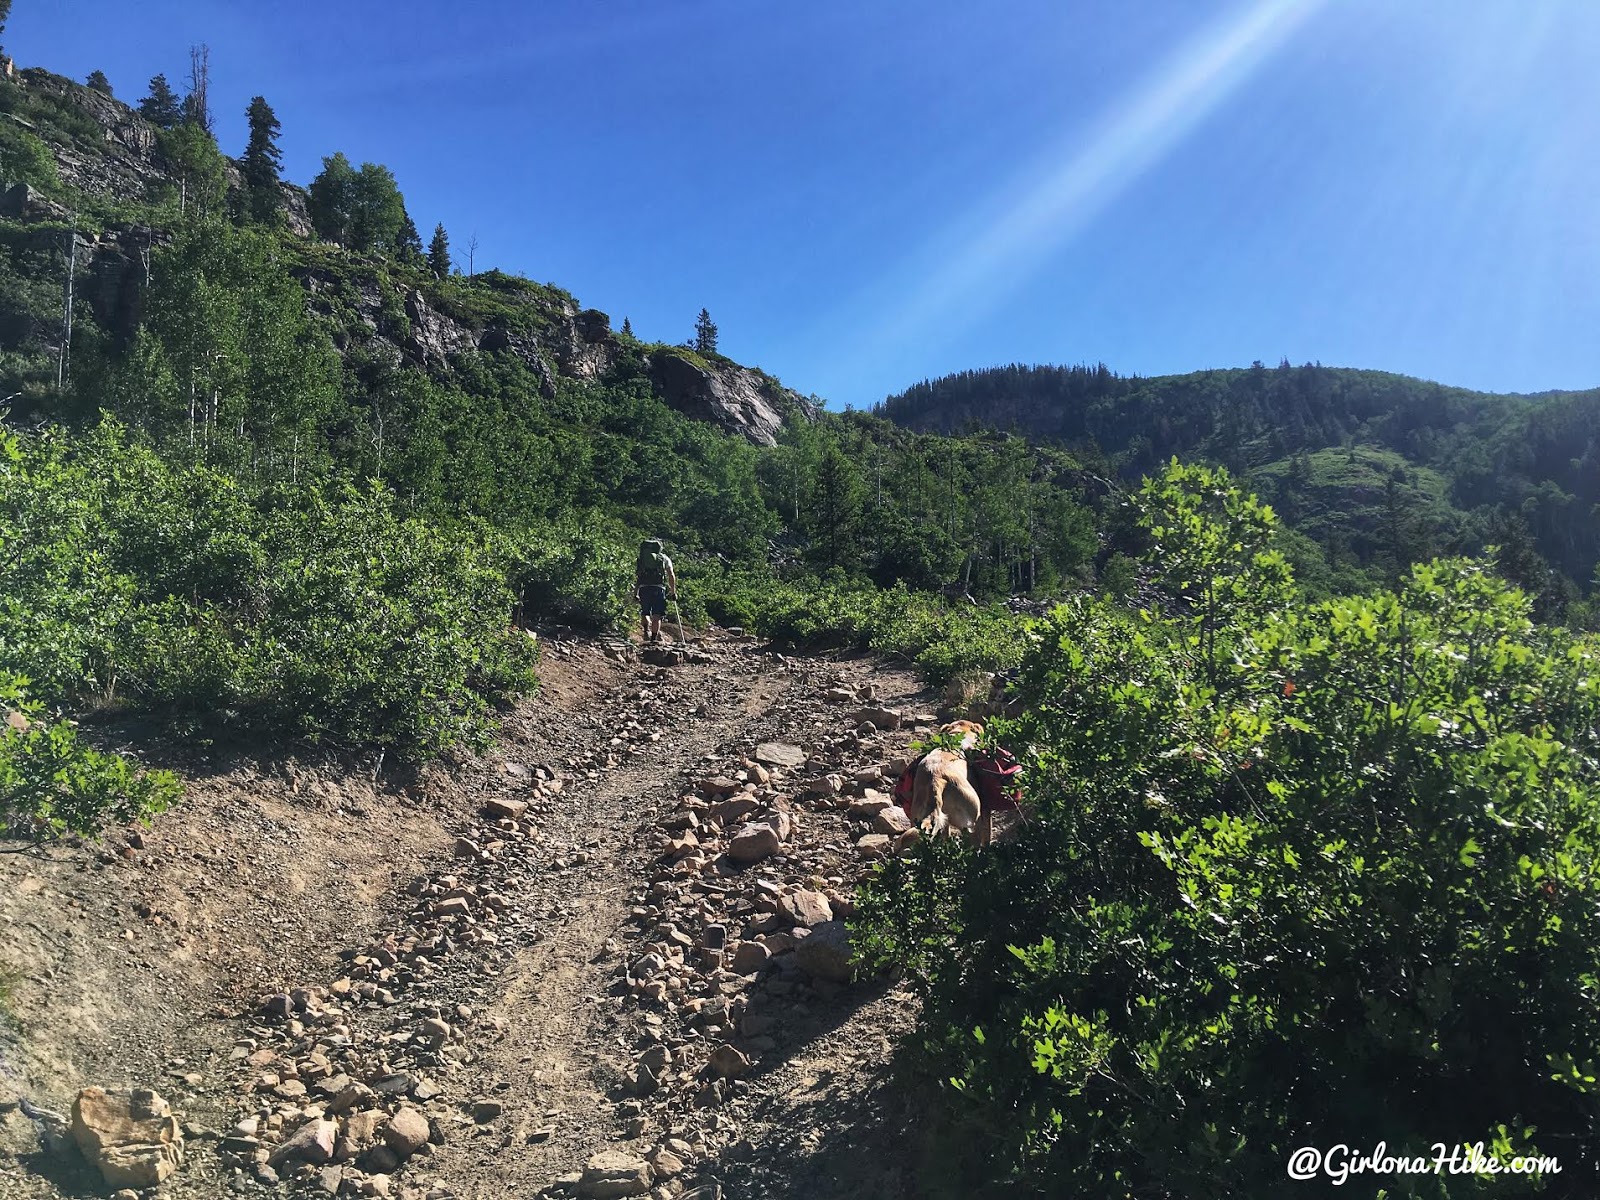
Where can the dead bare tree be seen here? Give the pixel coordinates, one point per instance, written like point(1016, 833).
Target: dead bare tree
point(198, 105)
point(64, 360)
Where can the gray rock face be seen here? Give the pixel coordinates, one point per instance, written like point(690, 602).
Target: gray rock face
point(733, 398)
point(547, 330)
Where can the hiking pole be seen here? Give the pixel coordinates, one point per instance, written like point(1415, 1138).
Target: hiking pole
point(678, 613)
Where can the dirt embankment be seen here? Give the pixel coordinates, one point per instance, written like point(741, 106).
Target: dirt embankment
point(604, 959)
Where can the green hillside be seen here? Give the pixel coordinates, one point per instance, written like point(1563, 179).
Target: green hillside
point(1512, 467)
point(277, 414)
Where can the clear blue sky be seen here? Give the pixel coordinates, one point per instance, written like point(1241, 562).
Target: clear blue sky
point(868, 192)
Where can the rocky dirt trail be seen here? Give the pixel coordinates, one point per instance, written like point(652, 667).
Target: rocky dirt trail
point(607, 959)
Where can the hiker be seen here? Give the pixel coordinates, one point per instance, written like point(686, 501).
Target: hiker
point(653, 582)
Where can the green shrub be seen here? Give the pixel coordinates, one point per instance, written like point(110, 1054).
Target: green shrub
point(52, 784)
point(579, 572)
point(1295, 876)
point(282, 611)
point(941, 639)
point(26, 159)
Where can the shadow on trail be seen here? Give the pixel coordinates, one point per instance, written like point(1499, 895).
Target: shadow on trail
point(832, 1118)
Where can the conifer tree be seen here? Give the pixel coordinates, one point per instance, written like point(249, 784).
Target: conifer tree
point(705, 333)
point(408, 243)
point(5, 15)
point(439, 253)
point(261, 163)
point(627, 327)
point(161, 107)
point(98, 82)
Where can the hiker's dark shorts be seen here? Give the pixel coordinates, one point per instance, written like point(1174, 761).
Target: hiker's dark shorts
point(653, 601)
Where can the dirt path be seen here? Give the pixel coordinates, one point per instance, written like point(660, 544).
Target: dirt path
point(556, 957)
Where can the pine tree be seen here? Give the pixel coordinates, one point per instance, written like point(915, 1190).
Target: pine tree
point(627, 327)
point(261, 163)
point(5, 15)
point(705, 334)
point(408, 243)
point(439, 253)
point(161, 107)
point(98, 82)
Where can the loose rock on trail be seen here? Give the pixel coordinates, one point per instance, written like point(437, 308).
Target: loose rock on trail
point(608, 958)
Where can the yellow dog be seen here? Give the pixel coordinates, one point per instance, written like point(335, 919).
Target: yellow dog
point(942, 797)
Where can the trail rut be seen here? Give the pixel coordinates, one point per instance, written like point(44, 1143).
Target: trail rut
point(494, 990)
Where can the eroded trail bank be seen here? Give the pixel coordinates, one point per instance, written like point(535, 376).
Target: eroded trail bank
point(606, 959)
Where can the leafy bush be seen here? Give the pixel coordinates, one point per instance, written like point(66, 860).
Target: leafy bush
point(279, 610)
point(52, 784)
point(1296, 876)
point(941, 639)
point(576, 572)
point(25, 159)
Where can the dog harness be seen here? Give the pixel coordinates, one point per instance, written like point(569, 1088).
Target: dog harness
point(993, 773)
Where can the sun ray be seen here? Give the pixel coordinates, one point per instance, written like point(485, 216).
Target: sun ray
point(1065, 188)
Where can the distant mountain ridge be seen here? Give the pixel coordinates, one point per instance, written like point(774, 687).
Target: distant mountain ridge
point(1528, 461)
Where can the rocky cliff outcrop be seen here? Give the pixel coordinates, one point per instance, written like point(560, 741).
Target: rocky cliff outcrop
point(732, 397)
point(367, 302)
point(126, 162)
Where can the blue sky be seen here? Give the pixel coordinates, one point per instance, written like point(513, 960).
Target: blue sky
point(865, 193)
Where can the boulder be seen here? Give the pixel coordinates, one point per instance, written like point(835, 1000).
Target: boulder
point(753, 843)
point(667, 1164)
point(311, 1143)
point(612, 1174)
point(780, 754)
point(363, 1127)
point(645, 1081)
point(806, 908)
point(882, 718)
point(782, 823)
point(749, 958)
point(352, 1095)
point(826, 954)
point(730, 812)
point(728, 1063)
point(406, 1132)
point(869, 806)
point(510, 810)
point(132, 1137)
point(891, 821)
point(874, 845)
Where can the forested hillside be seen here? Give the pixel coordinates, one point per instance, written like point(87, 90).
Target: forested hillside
point(1339, 452)
point(275, 467)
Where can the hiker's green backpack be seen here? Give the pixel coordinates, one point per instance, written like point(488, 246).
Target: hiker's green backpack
point(652, 567)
